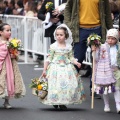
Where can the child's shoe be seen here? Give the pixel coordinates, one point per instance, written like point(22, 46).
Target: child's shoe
point(106, 108)
point(55, 106)
point(7, 105)
point(62, 107)
point(118, 111)
point(118, 108)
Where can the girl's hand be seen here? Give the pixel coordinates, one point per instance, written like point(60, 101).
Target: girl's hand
point(55, 12)
point(12, 56)
point(78, 64)
point(44, 73)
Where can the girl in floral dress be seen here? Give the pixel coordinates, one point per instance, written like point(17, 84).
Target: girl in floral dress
point(11, 83)
point(107, 75)
point(64, 83)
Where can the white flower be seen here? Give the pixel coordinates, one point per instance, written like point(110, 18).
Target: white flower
point(45, 84)
point(41, 80)
point(44, 88)
point(92, 38)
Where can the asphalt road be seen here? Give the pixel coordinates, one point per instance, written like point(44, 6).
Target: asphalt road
point(29, 108)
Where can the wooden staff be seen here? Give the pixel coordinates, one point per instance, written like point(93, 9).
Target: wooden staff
point(93, 77)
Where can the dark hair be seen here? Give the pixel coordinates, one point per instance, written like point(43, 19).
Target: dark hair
point(114, 7)
point(6, 3)
point(12, 2)
point(65, 31)
point(32, 6)
point(20, 3)
point(2, 26)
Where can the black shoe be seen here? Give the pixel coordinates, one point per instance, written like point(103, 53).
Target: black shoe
point(118, 112)
point(96, 96)
point(62, 107)
point(55, 106)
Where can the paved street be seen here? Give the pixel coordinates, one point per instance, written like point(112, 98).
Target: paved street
point(29, 108)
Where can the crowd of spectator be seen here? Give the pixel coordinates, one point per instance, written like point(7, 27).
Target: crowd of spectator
point(20, 7)
point(31, 7)
point(115, 10)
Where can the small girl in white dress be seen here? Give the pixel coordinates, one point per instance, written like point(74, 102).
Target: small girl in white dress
point(64, 83)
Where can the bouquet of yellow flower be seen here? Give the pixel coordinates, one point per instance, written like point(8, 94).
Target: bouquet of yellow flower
point(39, 87)
point(49, 6)
point(14, 45)
point(94, 40)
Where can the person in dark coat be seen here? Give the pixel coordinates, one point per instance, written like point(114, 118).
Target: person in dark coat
point(41, 15)
point(7, 10)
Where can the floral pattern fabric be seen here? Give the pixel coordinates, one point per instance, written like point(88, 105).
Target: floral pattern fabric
point(20, 89)
point(64, 83)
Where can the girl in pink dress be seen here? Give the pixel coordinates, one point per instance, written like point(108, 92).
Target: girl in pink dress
point(11, 83)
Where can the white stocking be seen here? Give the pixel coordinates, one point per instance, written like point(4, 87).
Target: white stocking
point(117, 98)
point(106, 100)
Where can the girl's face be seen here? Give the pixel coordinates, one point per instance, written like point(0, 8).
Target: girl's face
point(111, 40)
point(6, 33)
point(60, 35)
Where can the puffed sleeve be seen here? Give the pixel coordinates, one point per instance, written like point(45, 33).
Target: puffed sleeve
point(50, 54)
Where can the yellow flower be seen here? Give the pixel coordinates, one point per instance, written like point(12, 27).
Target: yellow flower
point(14, 42)
point(48, 5)
point(39, 87)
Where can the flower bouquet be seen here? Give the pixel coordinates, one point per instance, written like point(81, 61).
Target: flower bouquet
point(94, 40)
point(39, 87)
point(49, 6)
point(13, 46)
